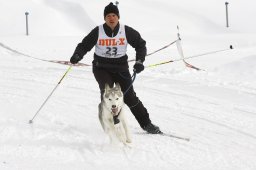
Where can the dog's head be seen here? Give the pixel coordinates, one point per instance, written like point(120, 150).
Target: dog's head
point(113, 98)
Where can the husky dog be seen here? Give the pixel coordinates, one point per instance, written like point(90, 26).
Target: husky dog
point(111, 115)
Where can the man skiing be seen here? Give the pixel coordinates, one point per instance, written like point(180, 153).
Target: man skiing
point(110, 63)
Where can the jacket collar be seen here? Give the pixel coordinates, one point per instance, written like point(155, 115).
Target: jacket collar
point(109, 31)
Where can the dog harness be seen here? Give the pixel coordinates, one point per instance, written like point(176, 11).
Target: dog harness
point(115, 117)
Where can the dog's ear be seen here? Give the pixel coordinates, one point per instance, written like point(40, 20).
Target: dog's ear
point(106, 87)
point(118, 86)
point(106, 92)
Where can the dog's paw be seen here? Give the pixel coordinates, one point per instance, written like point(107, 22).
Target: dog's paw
point(128, 141)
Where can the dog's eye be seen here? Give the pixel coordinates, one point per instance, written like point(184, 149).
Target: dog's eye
point(109, 99)
point(117, 98)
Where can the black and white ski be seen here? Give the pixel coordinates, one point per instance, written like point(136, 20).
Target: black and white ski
point(175, 136)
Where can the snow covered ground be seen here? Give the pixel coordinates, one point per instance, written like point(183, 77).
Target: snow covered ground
point(215, 107)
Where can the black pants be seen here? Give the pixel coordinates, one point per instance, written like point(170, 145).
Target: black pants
point(130, 99)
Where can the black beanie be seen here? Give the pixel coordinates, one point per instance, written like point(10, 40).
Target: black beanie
point(111, 8)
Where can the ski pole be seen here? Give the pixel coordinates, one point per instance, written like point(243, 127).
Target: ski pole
point(181, 59)
point(161, 63)
point(31, 121)
point(212, 52)
point(162, 48)
point(157, 50)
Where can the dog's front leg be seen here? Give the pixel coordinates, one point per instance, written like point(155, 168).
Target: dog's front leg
point(109, 131)
point(120, 132)
point(108, 126)
point(126, 130)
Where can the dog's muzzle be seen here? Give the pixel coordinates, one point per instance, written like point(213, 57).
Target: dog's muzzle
point(115, 113)
point(114, 110)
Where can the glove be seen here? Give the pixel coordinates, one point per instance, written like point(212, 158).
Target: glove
point(75, 59)
point(138, 66)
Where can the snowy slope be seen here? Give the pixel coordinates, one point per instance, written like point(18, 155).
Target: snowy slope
point(215, 108)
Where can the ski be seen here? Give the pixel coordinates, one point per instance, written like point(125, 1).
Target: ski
point(175, 136)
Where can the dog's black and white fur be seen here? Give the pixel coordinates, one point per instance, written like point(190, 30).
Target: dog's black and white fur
point(111, 115)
